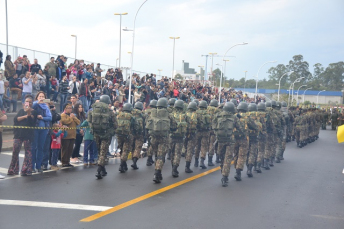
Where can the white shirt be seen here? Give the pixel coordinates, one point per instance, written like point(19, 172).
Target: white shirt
point(71, 86)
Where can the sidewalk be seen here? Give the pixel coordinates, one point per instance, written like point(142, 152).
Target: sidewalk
point(7, 141)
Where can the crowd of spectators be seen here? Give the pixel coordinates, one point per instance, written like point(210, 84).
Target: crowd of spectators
point(76, 87)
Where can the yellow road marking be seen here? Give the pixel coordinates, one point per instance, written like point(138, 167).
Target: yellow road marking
point(146, 196)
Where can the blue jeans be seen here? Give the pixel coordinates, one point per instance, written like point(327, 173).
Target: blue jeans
point(84, 101)
point(8, 102)
point(54, 156)
point(55, 93)
point(46, 150)
point(1, 102)
point(90, 149)
point(63, 101)
point(37, 148)
point(24, 94)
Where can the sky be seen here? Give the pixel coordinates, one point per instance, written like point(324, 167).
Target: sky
point(274, 30)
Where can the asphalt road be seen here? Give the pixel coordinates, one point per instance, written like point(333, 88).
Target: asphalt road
point(304, 191)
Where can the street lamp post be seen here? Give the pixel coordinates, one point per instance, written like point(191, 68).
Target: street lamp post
point(258, 75)
point(297, 94)
point(224, 69)
point(159, 70)
point(132, 53)
point(291, 88)
point(212, 64)
point(220, 81)
point(116, 62)
point(120, 35)
point(245, 83)
point(279, 83)
point(303, 101)
point(200, 71)
point(223, 59)
point(318, 97)
point(174, 44)
point(292, 95)
point(76, 43)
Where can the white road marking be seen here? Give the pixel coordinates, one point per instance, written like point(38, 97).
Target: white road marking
point(328, 217)
point(3, 170)
point(54, 205)
point(10, 154)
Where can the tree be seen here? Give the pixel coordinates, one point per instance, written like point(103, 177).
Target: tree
point(276, 73)
point(300, 68)
point(178, 77)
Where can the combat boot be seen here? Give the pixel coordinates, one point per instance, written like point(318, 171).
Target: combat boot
point(224, 181)
point(278, 160)
point(266, 164)
point(175, 171)
point(218, 158)
point(255, 166)
point(259, 170)
point(125, 166)
point(210, 161)
point(99, 172)
point(299, 144)
point(202, 165)
point(149, 161)
point(271, 162)
point(281, 157)
point(156, 177)
point(238, 175)
point(169, 155)
point(103, 172)
point(196, 162)
point(122, 167)
point(134, 166)
point(249, 171)
point(187, 167)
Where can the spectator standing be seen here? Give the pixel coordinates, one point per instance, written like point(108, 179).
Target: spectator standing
point(19, 65)
point(52, 66)
point(54, 87)
point(98, 73)
point(64, 87)
point(70, 120)
point(47, 83)
point(35, 67)
point(16, 86)
point(74, 86)
point(25, 117)
point(2, 92)
point(7, 98)
point(80, 114)
point(27, 85)
point(56, 136)
point(43, 120)
point(85, 94)
point(42, 80)
point(10, 70)
point(3, 117)
point(90, 146)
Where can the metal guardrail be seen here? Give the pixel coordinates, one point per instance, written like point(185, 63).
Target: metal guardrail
point(32, 54)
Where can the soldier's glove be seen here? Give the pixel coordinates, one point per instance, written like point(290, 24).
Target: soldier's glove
point(239, 116)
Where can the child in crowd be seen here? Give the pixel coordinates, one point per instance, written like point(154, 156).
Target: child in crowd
point(56, 137)
point(90, 146)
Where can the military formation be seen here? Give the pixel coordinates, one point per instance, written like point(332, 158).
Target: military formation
point(241, 134)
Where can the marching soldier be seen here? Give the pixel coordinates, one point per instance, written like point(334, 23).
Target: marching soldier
point(152, 106)
point(212, 110)
point(190, 139)
point(139, 135)
point(262, 136)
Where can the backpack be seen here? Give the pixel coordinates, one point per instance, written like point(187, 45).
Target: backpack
point(158, 123)
point(192, 118)
point(182, 125)
point(100, 118)
point(138, 116)
point(205, 120)
point(225, 125)
point(123, 123)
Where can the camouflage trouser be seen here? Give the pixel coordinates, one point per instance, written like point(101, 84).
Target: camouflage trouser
point(202, 143)
point(103, 147)
point(279, 148)
point(274, 149)
point(303, 133)
point(185, 145)
point(333, 124)
point(138, 142)
point(297, 133)
point(169, 148)
point(226, 150)
point(213, 150)
point(253, 151)
point(176, 150)
point(159, 146)
point(269, 146)
point(125, 144)
point(240, 152)
point(261, 150)
point(191, 143)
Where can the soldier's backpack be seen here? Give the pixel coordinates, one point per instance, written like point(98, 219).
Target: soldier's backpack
point(192, 118)
point(139, 119)
point(123, 123)
point(158, 123)
point(181, 125)
point(224, 126)
point(100, 118)
point(205, 120)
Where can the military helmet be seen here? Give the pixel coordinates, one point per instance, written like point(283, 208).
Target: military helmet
point(127, 107)
point(229, 106)
point(153, 103)
point(171, 101)
point(192, 106)
point(203, 104)
point(105, 99)
point(284, 104)
point(242, 106)
point(261, 107)
point(273, 103)
point(179, 104)
point(234, 101)
point(278, 105)
point(214, 103)
point(252, 107)
point(138, 105)
point(162, 102)
point(268, 104)
point(196, 101)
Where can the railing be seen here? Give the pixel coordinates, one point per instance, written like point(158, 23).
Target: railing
point(44, 57)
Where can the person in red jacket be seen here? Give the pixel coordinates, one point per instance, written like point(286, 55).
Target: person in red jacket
point(56, 137)
point(175, 93)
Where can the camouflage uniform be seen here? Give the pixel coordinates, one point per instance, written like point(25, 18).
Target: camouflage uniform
point(334, 117)
point(212, 111)
point(262, 139)
point(280, 136)
point(202, 138)
point(272, 137)
point(139, 136)
point(271, 119)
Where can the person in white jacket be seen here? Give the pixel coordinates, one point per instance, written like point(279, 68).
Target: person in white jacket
point(74, 86)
